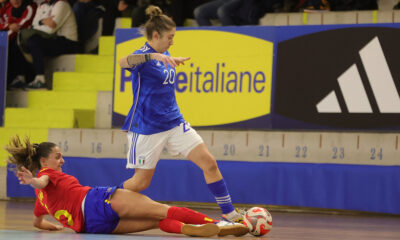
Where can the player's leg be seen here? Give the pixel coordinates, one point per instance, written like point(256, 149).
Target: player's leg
point(206, 161)
point(128, 204)
point(186, 141)
point(166, 225)
point(215, 182)
point(140, 180)
point(135, 225)
point(132, 208)
point(143, 154)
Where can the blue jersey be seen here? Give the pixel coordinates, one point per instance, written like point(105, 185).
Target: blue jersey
point(154, 107)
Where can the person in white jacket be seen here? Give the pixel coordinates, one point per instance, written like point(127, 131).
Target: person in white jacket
point(56, 18)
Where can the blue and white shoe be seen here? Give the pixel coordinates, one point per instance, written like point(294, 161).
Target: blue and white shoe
point(231, 228)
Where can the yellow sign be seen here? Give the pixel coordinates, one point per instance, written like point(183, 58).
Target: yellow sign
point(227, 80)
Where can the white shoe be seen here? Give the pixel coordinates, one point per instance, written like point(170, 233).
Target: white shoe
point(18, 82)
point(234, 216)
point(231, 228)
point(38, 83)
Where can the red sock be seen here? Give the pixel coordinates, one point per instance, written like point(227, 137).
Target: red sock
point(187, 215)
point(170, 225)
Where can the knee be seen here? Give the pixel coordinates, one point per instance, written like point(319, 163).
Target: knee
point(212, 166)
point(137, 185)
point(198, 12)
point(221, 12)
point(142, 185)
point(34, 42)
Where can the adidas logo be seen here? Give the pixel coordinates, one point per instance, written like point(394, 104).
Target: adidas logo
point(353, 90)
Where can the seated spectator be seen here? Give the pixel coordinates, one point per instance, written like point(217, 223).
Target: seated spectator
point(137, 9)
point(111, 13)
point(317, 5)
point(234, 12)
point(3, 4)
point(54, 32)
point(18, 15)
point(87, 14)
point(351, 5)
point(180, 10)
point(293, 5)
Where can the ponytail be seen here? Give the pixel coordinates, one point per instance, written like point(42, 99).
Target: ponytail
point(24, 153)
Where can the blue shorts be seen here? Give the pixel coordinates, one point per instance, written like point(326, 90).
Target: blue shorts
point(99, 216)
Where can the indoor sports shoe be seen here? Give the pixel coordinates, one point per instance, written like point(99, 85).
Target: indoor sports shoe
point(200, 230)
point(38, 83)
point(235, 216)
point(230, 228)
point(17, 83)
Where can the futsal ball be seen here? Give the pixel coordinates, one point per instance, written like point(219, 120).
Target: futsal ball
point(258, 220)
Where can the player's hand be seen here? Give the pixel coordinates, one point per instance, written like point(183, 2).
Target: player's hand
point(25, 176)
point(14, 27)
point(58, 227)
point(180, 60)
point(164, 59)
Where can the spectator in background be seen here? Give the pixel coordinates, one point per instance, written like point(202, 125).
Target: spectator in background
point(138, 8)
point(109, 16)
point(234, 12)
point(3, 4)
point(54, 33)
point(397, 6)
point(317, 5)
point(180, 10)
point(18, 14)
point(113, 10)
point(87, 14)
point(349, 5)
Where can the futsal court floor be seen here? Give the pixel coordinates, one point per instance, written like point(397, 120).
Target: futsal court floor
point(16, 223)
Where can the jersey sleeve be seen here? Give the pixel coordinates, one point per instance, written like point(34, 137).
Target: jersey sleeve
point(39, 209)
point(53, 175)
point(27, 16)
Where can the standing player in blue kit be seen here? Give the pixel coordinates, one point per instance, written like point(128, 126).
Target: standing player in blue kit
point(155, 121)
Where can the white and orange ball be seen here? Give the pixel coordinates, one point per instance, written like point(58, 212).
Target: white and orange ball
point(258, 220)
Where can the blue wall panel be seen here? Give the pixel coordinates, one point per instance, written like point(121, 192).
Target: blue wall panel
point(333, 186)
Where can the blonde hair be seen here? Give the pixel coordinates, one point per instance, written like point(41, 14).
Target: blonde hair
point(24, 153)
point(158, 22)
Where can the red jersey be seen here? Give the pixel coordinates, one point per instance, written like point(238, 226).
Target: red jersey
point(62, 198)
point(24, 20)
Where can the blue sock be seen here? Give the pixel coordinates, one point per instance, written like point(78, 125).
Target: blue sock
point(221, 194)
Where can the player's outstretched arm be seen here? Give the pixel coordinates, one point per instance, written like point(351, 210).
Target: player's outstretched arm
point(25, 177)
point(180, 60)
point(133, 60)
point(41, 223)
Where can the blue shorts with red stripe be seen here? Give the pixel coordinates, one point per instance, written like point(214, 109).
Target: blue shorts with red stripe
point(99, 216)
